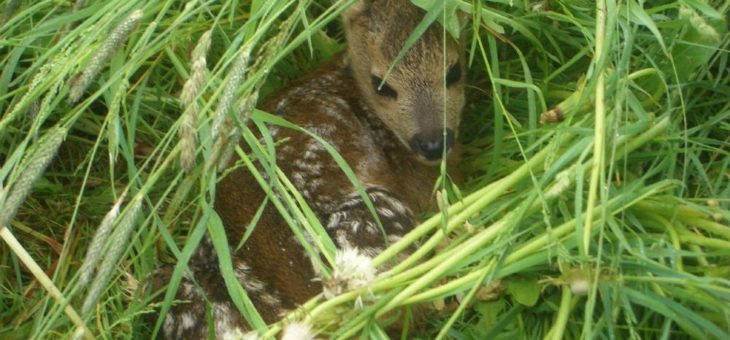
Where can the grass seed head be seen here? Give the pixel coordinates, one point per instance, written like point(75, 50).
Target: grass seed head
point(226, 100)
point(30, 96)
point(192, 86)
point(96, 248)
point(191, 90)
point(699, 24)
point(233, 137)
point(562, 183)
point(36, 164)
point(118, 243)
point(118, 36)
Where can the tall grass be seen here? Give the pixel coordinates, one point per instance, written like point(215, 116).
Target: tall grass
point(597, 166)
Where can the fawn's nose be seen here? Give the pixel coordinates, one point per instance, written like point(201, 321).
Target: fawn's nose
point(430, 146)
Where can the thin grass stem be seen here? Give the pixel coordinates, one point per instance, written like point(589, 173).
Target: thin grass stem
point(44, 280)
point(599, 137)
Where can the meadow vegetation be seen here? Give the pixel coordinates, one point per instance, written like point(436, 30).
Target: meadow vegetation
point(596, 199)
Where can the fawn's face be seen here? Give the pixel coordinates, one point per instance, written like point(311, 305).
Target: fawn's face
point(423, 95)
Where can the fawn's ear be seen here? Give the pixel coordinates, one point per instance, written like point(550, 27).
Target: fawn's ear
point(364, 12)
point(357, 14)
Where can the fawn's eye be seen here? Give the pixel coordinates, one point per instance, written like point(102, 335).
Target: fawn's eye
point(454, 74)
point(383, 90)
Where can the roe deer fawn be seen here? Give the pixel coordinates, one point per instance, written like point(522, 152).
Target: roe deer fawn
point(391, 131)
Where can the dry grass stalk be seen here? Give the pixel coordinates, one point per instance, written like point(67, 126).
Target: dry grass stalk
point(45, 281)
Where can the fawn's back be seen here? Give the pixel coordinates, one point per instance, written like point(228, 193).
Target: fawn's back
point(390, 130)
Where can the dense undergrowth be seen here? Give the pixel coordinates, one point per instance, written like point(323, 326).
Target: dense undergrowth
point(597, 192)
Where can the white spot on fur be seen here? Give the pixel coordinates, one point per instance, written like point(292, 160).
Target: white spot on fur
point(323, 131)
point(286, 149)
point(299, 180)
point(187, 290)
point(391, 201)
point(324, 203)
point(314, 146)
point(355, 226)
point(336, 114)
point(393, 238)
point(169, 325)
point(253, 285)
point(270, 300)
point(310, 155)
point(224, 323)
point(386, 212)
point(371, 227)
point(335, 219)
point(242, 271)
point(188, 321)
point(341, 237)
point(284, 312)
point(371, 251)
point(282, 104)
point(316, 183)
point(352, 202)
point(340, 101)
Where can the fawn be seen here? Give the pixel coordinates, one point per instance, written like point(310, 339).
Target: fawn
point(391, 131)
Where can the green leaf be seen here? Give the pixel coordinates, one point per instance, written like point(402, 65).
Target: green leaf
point(180, 267)
point(489, 312)
point(637, 15)
point(690, 321)
point(525, 291)
point(703, 7)
point(238, 294)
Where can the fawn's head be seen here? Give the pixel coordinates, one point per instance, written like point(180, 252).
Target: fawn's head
point(424, 94)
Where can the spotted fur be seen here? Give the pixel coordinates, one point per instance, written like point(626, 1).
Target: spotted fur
point(338, 104)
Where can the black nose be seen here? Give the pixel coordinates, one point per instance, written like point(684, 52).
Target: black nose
point(431, 145)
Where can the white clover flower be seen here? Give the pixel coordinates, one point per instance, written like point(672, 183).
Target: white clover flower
point(237, 334)
point(353, 270)
point(298, 331)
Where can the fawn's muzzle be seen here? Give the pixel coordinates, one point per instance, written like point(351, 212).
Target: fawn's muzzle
point(430, 146)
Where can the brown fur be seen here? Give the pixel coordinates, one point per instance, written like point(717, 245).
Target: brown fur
point(376, 31)
point(372, 133)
